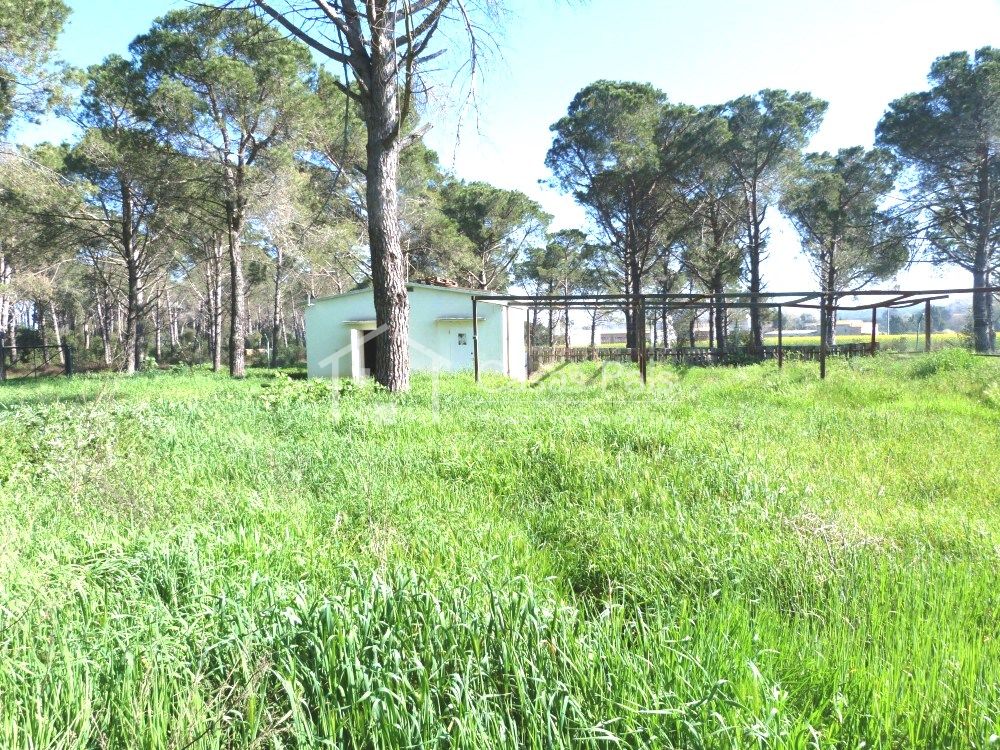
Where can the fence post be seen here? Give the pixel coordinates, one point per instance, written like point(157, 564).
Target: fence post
point(3, 358)
point(822, 338)
point(874, 328)
point(642, 338)
point(67, 359)
point(475, 338)
point(781, 331)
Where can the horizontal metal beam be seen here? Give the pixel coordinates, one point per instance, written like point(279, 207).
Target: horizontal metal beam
point(895, 294)
point(905, 302)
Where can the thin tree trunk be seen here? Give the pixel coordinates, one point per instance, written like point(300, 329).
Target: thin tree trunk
point(754, 251)
point(638, 327)
point(981, 307)
point(131, 339)
point(718, 288)
point(991, 317)
point(629, 331)
point(831, 283)
point(215, 303)
point(981, 323)
point(237, 293)
point(55, 329)
point(669, 333)
point(6, 299)
point(276, 316)
point(11, 331)
point(175, 330)
point(40, 323)
point(566, 330)
point(172, 323)
point(158, 336)
point(140, 329)
point(133, 293)
point(103, 319)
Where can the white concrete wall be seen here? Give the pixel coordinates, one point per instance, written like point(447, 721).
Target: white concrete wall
point(516, 320)
point(434, 343)
point(326, 332)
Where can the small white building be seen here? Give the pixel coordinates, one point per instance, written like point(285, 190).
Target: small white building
point(341, 333)
point(856, 327)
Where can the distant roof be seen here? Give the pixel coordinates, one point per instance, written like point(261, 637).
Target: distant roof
point(410, 284)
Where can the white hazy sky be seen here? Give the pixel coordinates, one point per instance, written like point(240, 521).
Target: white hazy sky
point(856, 54)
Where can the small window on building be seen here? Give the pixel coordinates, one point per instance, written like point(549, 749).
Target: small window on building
point(462, 340)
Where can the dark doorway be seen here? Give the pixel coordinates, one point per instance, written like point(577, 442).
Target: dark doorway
point(369, 354)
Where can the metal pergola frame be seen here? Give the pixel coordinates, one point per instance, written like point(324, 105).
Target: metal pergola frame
point(826, 302)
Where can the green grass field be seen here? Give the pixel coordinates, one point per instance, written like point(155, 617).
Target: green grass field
point(898, 342)
point(729, 558)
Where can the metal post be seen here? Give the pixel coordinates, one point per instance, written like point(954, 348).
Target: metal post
point(874, 328)
point(642, 338)
point(822, 339)
point(67, 359)
point(781, 331)
point(475, 338)
point(927, 326)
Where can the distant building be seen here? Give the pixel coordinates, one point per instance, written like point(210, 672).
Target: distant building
point(612, 337)
point(856, 327)
point(793, 332)
point(701, 330)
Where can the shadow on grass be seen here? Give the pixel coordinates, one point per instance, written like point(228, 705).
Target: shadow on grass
point(547, 374)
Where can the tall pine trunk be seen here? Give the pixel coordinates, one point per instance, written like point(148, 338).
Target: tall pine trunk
point(133, 331)
point(131, 342)
point(830, 284)
point(755, 248)
point(566, 313)
point(638, 323)
point(6, 299)
point(104, 319)
point(981, 307)
point(718, 287)
point(388, 266)
point(756, 328)
point(214, 302)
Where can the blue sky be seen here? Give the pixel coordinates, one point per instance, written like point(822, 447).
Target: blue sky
point(856, 54)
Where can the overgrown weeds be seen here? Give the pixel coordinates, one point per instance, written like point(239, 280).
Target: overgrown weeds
point(729, 558)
